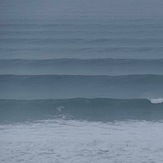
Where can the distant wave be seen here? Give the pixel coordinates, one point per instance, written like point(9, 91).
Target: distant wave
point(97, 109)
point(81, 38)
point(72, 66)
point(86, 40)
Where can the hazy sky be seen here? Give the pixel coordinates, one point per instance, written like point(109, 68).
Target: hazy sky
point(50, 8)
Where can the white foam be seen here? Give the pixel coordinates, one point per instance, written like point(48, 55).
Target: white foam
point(67, 141)
point(157, 101)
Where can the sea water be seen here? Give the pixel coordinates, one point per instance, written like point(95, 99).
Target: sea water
point(81, 81)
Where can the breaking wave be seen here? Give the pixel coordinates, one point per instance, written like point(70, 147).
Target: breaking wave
point(97, 109)
point(157, 101)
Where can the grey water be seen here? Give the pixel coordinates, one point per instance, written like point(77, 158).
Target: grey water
point(81, 81)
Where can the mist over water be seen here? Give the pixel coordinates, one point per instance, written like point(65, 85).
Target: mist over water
point(81, 81)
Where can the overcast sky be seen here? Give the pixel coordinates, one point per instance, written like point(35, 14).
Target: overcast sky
point(50, 8)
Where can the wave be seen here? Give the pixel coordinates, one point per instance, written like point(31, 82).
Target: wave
point(85, 24)
point(97, 109)
point(74, 66)
point(109, 40)
point(81, 38)
point(71, 86)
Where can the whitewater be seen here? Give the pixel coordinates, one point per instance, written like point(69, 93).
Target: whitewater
point(81, 81)
point(81, 141)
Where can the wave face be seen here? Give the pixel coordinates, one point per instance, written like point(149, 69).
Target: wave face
point(98, 109)
point(71, 86)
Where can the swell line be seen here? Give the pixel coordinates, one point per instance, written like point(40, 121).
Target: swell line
point(74, 66)
point(97, 109)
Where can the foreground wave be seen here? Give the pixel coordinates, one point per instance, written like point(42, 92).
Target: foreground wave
point(97, 109)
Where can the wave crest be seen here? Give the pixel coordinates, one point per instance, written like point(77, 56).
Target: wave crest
point(156, 101)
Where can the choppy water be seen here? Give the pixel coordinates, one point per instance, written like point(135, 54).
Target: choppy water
point(80, 88)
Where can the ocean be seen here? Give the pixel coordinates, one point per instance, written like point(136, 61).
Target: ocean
point(81, 88)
